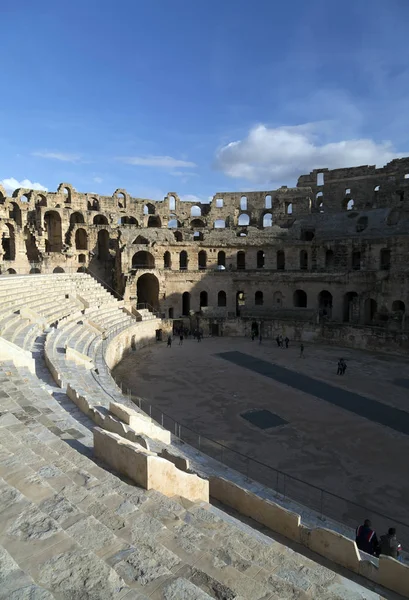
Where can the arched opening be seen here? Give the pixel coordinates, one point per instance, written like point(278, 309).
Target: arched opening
point(385, 259)
point(258, 298)
point(121, 199)
point(370, 310)
point(183, 260)
point(11, 272)
point(243, 203)
point(319, 202)
point(244, 220)
point(103, 245)
point(221, 298)
point(178, 236)
point(197, 224)
point(141, 240)
point(149, 209)
point(172, 203)
point(398, 306)
point(303, 260)
point(81, 239)
point(58, 270)
point(202, 259)
point(147, 290)
point(171, 312)
point(128, 221)
point(15, 214)
point(221, 259)
point(329, 259)
point(195, 211)
point(34, 271)
point(241, 260)
point(325, 303)
point(268, 220)
point(32, 252)
point(260, 259)
point(351, 307)
point(185, 304)
point(268, 201)
point(82, 269)
point(167, 261)
point(356, 260)
point(143, 260)
point(300, 299)
point(280, 260)
point(76, 217)
point(93, 204)
point(240, 302)
point(100, 220)
point(219, 224)
point(8, 242)
point(173, 224)
point(198, 236)
point(154, 221)
point(349, 204)
point(289, 208)
point(203, 299)
point(82, 258)
point(52, 222)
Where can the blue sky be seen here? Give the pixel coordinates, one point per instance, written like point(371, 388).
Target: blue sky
point(199, 96)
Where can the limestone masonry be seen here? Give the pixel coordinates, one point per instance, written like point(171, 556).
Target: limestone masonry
point(326, 260)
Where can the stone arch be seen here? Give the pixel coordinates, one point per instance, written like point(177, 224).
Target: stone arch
point(67, 190)
point(351, 307)
point(183, 260)
point(241, 260)
point(259, 298)
point(40, 200)
point(260, 259)
point(370, 308)
point(197, 224)
point(202, 259)
point(267, 220)
point(58, 270)
point(172, 202)
point(121, 196)
point(398, 306)
point(289, 208)
point(195, 211)
point(280, 260)
point(8, 242)
point(300, 299)
point(268, 201)
point(185, 304)
point(3, 195)
point(219, 224)
point(81, 239)
point(103, 245)
point(203, 299)
point(127, 220)
point(143, 260)
point(82, 258)
point(221, 259)
point(100, 220)
point(11, 272)
point(52, 225)
point(243, 203)
point(149, 209)
point(93, 204)
point(147, 291)
point(82, 269)
point(15, 213)
point(154, 221)
point(325, 303)
point(76, 217)
point(173, 223)
point(140, 239)
point(34, 271)
point(178, 236)
point(167, 260)
point(221, 298)
point(32, 252)
point(244, 220)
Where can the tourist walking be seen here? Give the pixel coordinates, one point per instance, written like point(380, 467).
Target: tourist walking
point(181, 339)
point(278, 341)
point(260, 339)
point(366, 539)
point(287, 341)
point(302, 351)
point(169, 344)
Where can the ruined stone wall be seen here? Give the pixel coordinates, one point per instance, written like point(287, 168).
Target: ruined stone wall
point(333, 250)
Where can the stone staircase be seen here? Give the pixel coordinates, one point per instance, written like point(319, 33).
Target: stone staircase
point(69, 528)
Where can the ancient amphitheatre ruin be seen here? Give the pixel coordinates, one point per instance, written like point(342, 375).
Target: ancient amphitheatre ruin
point(104, 495)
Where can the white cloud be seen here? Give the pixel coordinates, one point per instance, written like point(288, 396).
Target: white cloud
point(163, 162)
point(283, 153)
point(98, 180)
point(62, 156)
point(12, 184)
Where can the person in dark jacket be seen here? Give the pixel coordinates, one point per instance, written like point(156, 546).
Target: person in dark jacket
point(389, 544)
point(365, 538)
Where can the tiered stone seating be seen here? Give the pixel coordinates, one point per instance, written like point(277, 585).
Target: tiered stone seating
point(71, 529)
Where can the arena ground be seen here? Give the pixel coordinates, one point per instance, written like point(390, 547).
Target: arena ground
point(349, 435)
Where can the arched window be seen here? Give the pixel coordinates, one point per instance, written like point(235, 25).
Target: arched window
point(197, 224)
point(370, 309)
point(76, 217)
point(8, 242)
point(178, 236)
point(143, 260)
point(185, 304)
point(58, 270)
point(52, 221)
point(350, 204)
point(289, 208)
point(260, 259)
point(244, 220)
point(329, 259)
point(356, 260)
point(81, 239)
point(203, 299)
point(195, 211)
point(300, 299)
point(183, 260)
point(202, 259)
point(198, 236)
point(125, 220)
point(219, 224)
point(103, 245)
point(149, 209)
point(398, 306)
point(325, 303)
point(303, 260)
point(268, 201)
point(172, 203)
point(385, 259)
point(219, 202)
point(141, 240)
point(82, 258)
point(221, 298)
point(280, 260)
point(154, 221)
point(221, 259)
point(243, 203)
point(167, 262)
point(100, 220)
point(268, 220)
point(258, 298)
point(241, 260)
